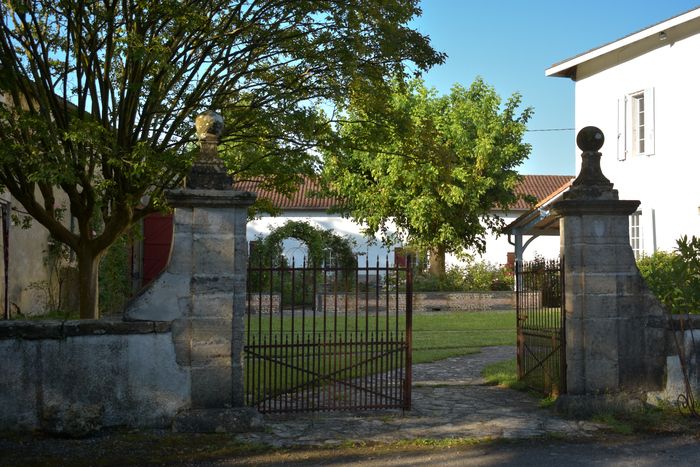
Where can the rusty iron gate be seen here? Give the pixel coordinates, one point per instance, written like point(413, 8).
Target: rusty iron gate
point(328, 338)
point(541, 324)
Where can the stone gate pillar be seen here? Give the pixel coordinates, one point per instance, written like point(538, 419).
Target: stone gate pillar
point(614, 327)
point(203, 288)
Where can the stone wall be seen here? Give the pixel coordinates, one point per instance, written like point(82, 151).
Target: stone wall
point(682, 333)
point(463, 301)
point(263, 303)
point(202, 291)
point(423, 301)
point(74, 377)
point(615, 327)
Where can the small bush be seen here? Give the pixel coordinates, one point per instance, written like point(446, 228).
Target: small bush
point(473, 277)
point(674, 277)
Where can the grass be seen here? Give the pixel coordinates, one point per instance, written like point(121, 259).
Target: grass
point(648, 420)
point(436, 335)
point(503, 374)
point(440, 335)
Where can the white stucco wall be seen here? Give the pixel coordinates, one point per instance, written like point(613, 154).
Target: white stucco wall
point(666, 182)
point(496, 250)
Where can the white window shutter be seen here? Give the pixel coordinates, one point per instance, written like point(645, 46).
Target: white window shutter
point(621, 130)
point(650, 116)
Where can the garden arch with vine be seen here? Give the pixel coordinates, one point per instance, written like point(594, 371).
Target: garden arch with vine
point(318, 241)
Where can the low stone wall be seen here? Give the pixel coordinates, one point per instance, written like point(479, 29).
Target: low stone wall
point(683, 332)
point(422, 301)
point(263, 303)
point(74, 377)
point(463, 301)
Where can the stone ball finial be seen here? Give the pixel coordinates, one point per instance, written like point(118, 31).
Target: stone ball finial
point(590, 139)
point(209, 123)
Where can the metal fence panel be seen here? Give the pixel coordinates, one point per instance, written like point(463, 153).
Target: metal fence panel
point(541, 325)
point(324, 337)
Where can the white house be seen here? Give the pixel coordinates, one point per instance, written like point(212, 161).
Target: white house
point(642, 91)
point(314, 210)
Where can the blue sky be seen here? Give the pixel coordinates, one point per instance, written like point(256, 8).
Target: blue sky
point(510, 43)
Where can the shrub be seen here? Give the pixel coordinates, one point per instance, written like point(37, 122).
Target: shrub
point(115, 283)
point(674, 277)
point(473, 277)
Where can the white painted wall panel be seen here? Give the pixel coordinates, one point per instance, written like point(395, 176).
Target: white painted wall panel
point(666, 182)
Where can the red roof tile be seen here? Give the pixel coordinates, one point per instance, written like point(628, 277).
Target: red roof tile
point(302, 199)
point(539, 186)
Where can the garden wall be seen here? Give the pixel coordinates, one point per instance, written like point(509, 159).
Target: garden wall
point(425, 301)
point(422, 301)
point(263, 303)
point(463, 301)
point(683, 332)
point(73, 377)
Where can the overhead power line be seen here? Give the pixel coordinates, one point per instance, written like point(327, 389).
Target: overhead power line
point(553, 129)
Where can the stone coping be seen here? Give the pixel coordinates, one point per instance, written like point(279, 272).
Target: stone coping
point(688, 322)
point(209, 198)
point(594, 207)
point(56, 329)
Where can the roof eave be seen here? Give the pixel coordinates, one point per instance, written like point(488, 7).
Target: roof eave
point(567, 68)
point(526, 219)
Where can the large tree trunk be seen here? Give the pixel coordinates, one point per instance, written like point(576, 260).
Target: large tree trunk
point(437, 261)
point(88, 269)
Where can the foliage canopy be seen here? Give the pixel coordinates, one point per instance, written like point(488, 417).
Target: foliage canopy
point(321, 245)
point(99, 98)
point(432, 167)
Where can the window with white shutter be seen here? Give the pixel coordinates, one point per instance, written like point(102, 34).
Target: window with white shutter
point(635, 125)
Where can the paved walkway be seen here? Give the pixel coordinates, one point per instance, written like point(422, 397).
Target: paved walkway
point(450, 400)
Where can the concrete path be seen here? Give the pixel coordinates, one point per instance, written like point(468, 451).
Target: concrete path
point(450, 400)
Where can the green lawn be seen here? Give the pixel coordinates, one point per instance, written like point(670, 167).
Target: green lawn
point(439, 335)
point(436, 335)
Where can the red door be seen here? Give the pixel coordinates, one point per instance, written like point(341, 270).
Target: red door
point(157, 240)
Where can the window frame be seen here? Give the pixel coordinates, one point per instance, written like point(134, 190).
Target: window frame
point(631, 119)
point(636, 234)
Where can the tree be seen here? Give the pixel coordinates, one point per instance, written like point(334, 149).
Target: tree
point(431, 168)
point(100, 97)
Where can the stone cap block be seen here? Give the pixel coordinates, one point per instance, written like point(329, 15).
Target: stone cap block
point(53, 329)
point(209, 198)
point(594, 207)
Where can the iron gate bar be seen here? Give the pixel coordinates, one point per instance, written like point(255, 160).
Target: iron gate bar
point(340, 359)
point(541, 325)
point(400, 347)
point(540, 363)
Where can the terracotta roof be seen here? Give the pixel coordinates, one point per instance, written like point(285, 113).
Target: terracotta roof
point(539, 186)
point(302, 199)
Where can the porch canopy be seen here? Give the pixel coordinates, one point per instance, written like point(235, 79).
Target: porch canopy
point(535, 222)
